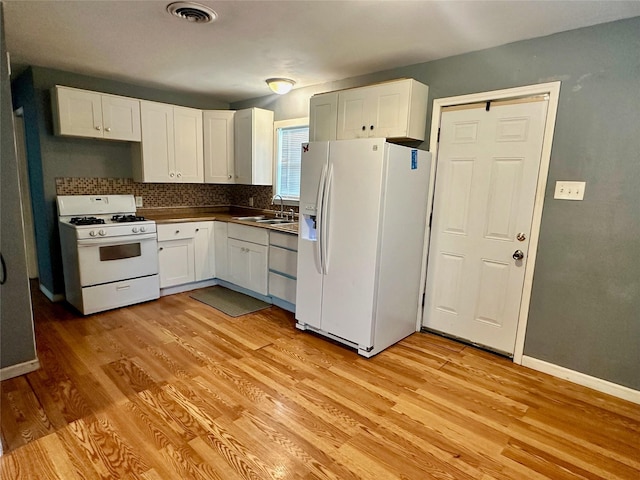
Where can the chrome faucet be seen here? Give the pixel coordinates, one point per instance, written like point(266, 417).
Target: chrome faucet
point(273, 200)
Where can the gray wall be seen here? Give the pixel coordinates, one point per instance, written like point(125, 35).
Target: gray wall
point(51, 156)
point(585, 306)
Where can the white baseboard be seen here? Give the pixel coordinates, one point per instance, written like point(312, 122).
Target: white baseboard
point(598, 384)
point(19, 369)
point(54, 297)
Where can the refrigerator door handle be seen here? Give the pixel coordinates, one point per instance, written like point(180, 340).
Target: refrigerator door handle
point(319, 216)
point(325, 222)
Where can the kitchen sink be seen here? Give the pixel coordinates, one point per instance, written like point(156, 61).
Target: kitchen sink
point(255, 218)
point(275, 221)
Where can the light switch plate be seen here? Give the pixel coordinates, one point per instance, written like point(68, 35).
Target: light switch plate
point(138, 202)
point(569, 190)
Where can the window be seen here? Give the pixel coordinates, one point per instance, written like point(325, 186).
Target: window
point(289, 137)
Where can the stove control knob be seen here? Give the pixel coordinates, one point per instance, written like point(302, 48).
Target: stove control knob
point(92, 233)
point(134, 229)
point(143, 229)
point(102, 233)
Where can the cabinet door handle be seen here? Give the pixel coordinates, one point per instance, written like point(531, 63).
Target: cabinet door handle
point(108, 129)
point(4, 270)
point(171, 174)
point(363, 128)
point(230, 177)
point(98, 127)
point(177, 232)
point(160, 249)
point(179, 175)
point(197, 229)
point(371, 127)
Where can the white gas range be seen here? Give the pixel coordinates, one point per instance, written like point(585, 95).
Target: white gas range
point(109, 255)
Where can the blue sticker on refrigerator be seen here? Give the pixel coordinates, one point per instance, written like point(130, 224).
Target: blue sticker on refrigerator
point(414, 159)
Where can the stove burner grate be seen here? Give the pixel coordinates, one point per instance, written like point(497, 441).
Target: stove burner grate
point(86, 221)
point(127, 218)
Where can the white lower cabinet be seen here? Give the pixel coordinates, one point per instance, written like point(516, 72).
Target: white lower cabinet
point(247, 253)
point(283, 262)
point(175, 261)
point(186, 253)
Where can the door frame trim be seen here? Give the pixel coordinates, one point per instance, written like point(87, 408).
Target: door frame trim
point(552, 89)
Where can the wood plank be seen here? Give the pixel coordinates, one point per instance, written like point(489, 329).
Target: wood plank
point(170, 389)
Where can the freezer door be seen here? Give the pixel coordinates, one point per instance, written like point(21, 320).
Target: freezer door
point(314, 158)
point(309, 271)
point(352, 220)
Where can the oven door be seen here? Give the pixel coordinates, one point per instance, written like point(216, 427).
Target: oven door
point(104, 260)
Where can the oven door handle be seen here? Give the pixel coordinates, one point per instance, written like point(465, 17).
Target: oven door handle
point(89, 242)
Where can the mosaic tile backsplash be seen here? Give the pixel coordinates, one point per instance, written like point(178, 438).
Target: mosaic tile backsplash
point(163, 195)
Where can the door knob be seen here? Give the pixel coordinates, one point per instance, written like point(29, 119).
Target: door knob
point(521, 237)
point(518, 255)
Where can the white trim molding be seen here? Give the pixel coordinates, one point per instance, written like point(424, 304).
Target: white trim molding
point(19, 369)
point(552, 90)
point(585, 380)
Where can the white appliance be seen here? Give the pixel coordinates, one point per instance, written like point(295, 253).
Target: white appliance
point(109, 255)
point(361, 239)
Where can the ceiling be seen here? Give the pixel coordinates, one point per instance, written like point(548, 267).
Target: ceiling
point(312, 42)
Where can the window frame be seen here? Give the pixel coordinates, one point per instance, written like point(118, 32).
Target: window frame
point(277, 125)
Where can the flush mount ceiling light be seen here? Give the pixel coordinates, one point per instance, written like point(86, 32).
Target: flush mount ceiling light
point(192, 12)
point(280, 85)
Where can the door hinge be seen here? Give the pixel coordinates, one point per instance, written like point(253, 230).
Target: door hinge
point(423, 295)
point(430, 219)
point(438, 135)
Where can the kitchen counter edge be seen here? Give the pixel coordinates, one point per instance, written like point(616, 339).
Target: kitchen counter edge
point(190, 216)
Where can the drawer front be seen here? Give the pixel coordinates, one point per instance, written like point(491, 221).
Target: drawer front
point(248, 234)
point(176, 231)
point(283, 261)
point(282, 287)
point(120, 294)
point(284, 240)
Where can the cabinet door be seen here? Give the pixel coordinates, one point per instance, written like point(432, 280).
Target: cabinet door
point(243, 124)
point(248, 265)
point(157, 147)
point(254, 146)
point(176, 262)
point(189, 154)
point(204, 251)
point(220, 249)
point(79, 112)
point(323, 117)
point(218, 146)
point(353, 113)
point(389, 111)
point(121, 117)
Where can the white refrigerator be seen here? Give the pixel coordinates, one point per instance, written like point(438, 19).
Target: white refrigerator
point(363, 224)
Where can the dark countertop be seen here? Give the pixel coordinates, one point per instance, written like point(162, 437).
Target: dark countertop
point(221, 214)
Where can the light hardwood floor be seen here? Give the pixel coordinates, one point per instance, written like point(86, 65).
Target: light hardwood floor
point(173, 389)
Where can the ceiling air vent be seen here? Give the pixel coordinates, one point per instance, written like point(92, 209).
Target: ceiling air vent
point(192, 12)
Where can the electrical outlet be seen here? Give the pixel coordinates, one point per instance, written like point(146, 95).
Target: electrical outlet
point(138, 202)
point(569, 190)
point(251, 201)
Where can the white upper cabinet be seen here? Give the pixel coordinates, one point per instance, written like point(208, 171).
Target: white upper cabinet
point(323, 116)
point(82, 113)
point(253, 146)
point(218, 146)
point(394, 110)
point(172, 145)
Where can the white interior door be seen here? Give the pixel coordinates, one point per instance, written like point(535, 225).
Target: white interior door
point(485, 190)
